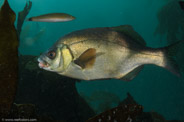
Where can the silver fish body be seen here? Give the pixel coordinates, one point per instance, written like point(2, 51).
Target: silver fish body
point(52, 17)
point(103, 53)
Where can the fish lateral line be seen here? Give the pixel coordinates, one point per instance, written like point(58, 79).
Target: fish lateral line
point(134, 50)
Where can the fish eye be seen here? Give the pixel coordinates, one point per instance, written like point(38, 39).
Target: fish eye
point(51, 54)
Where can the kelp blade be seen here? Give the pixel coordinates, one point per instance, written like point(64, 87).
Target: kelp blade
point(8, 58)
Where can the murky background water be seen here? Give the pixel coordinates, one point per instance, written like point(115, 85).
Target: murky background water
point(155, 88)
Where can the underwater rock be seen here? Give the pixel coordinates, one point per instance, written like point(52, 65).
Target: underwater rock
point(22, 15)
point(31, 65)
point(128, 100)
point(8, 58)
point(129, 111)
point(52, 94)
point(27, 112)
point(23, 111)
point(145, 116)
point(125, 113)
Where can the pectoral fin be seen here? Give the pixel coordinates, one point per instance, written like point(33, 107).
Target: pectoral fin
point(86, 59)
point(131, 75)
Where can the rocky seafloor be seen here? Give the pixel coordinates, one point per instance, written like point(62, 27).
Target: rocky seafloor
point(47, 96)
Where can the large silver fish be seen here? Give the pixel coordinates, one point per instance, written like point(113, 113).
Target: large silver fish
point(53, 17)
point(102, 53)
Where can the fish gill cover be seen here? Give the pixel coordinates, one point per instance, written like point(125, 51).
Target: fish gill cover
point(8, 58)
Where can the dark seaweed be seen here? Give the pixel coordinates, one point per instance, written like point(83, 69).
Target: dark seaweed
point(22, 15)
point(8, 58)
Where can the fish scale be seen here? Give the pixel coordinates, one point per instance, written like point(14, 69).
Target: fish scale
point(109, 52)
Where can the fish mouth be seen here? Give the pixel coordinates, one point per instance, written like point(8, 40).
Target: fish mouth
point(43, 64)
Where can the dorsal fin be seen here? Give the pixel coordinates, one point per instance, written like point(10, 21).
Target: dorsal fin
point(129, 31)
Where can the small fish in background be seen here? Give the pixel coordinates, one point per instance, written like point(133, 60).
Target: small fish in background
point(52, 17)
point(104, 53)
point(31, 38)
point(27, 38)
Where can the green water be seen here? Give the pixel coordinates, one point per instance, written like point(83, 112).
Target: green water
point(155, 88)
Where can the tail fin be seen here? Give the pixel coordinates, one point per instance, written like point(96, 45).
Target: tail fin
point(170, 58)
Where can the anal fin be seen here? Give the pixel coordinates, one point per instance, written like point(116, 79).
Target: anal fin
point(131, 75)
